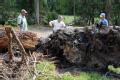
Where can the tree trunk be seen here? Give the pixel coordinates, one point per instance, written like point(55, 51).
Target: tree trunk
point(74, 10)
point(36, 3)
point(108, 7)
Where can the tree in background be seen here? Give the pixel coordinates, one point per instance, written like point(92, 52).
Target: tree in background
point(41, 11)
point(37, 10)
point(29, 6)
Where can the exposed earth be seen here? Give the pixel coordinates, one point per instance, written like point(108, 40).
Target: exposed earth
point(41, 31)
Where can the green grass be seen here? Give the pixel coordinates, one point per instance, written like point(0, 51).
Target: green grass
point(113, 69)
point(48, 72)
point(84, 76)
point(68, 19)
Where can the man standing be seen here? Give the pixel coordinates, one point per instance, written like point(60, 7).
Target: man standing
point(57, 24)
point(103, 21)
point(21, 21)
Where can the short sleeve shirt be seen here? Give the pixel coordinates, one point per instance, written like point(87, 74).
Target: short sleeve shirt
point(22, 22)
point(57, 25)
point(104, 22)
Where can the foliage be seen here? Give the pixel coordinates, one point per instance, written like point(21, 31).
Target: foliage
point(84, 76)
point(12, 22)
point(31, 19)
point(12, 18)
point(113, 69)
point(47, 71)
point(68, 19)
point(87, 10)
point(49, 16)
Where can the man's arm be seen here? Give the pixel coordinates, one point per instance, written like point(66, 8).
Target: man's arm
point(107, 23)
point(63, 24)
point(19, 22)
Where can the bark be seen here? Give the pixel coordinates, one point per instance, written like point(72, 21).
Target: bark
point(108, 7)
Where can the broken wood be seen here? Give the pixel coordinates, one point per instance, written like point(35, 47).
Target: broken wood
point(8, 32)
point(14, 69)
point(19, 44)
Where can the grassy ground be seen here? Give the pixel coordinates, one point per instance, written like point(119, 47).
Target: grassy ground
point(48, 72)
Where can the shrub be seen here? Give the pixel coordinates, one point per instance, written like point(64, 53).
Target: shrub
point(31, 19)
point(80, 22)
point(49, 16)
point(12, 22)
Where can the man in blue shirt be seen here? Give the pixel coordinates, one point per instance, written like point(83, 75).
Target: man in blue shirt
point(103, 21)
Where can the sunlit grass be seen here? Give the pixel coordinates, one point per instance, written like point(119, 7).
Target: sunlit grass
point(113, 69)
point(48, 72)
point(84, 76)
point(68, 19)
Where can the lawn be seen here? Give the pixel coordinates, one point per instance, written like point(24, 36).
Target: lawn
point(48, 72)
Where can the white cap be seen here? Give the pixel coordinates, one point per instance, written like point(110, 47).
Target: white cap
point(23, 10)
point(102, 14)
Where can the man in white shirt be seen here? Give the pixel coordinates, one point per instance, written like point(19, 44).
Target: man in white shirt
point(57, 24)
point(21, 21)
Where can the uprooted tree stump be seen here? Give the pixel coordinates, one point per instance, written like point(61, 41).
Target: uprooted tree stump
point(83, 48)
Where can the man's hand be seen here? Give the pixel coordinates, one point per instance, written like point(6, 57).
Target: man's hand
point(50, 24)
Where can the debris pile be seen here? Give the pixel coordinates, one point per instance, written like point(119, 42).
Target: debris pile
point(17, 62)
point(83, 48)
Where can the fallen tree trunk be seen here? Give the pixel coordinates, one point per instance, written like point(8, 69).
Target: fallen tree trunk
point(83, 48)
point(3, 39)
point(28, 39)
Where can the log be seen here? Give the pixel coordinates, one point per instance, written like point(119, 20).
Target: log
point(28, 39)
point(4, 40)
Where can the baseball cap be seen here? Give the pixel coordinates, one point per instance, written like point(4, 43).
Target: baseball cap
point(23, 10)
point(102, 14)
